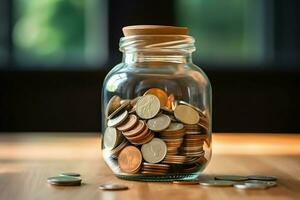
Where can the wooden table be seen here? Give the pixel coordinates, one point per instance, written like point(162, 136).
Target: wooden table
point(26, 160)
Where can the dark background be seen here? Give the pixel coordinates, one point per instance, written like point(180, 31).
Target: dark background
point(247, 97)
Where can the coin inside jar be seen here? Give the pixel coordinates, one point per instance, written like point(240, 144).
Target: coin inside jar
point(130, 159)
point(160, 94)
point(159, 123)
point(154, 151)
point(111, 138)
point(127, 125)
point(117, 120)
point(147, 106)
point(112, 105)
point(186, 114)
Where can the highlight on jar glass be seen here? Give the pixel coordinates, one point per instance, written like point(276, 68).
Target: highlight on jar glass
point(156, 104)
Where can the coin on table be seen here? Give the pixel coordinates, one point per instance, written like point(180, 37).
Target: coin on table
point(262, 178)
point(129, 124)
point(130, 159)
point(118, 120)
point(111, 138)
point(257, 182)
point(192, 182)
point(159, 123)
point(70, 174)
point(154, 151)
point(217, 183)
point(112, 105)
point(245, 187)
point(231, 178)
point(147, 106)
point(160, 94)
point(114, 187)
point(186, 114)
point(64, 180)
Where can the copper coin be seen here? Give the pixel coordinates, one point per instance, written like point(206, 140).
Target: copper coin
point(140, 136)
point(161, 95)
point(193, 182)
point(139, 127)
point(130, 159)
point(112, 187)
point(129, 124)
point(171, 102)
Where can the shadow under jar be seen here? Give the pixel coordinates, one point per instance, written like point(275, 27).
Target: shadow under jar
point(156, 105)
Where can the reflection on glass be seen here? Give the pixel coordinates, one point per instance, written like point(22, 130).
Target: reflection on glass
point(55, 32)
point(3, 35)
point(225, 31)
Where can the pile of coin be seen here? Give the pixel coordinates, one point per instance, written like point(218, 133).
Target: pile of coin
point(238, 182)
point(155, 134)
point(65, 179)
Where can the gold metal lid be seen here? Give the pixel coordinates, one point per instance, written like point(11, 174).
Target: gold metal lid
point(154, 30)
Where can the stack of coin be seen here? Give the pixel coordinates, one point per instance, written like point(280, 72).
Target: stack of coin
point(153, 129)
point(173, 137)
point(193, 145)
point(155, 169)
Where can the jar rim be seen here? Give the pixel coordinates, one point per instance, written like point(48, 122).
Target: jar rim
point(157, 43)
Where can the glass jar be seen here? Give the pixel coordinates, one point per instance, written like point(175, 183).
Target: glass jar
point(156, 104)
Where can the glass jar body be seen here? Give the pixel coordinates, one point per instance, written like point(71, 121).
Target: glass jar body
point(186, 85)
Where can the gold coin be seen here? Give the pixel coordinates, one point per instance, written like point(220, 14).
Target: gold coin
point(159, 123)
point(154, 151)
point(147, 106)
point(160, 94)
point(186, 114)
point(130, 159)
point(194, 107)
point(112, 105)
point(118, 120)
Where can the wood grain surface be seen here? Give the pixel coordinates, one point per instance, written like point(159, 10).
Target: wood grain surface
point(27, 159)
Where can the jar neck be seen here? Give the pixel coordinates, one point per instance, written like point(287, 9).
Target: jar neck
point(147, 57)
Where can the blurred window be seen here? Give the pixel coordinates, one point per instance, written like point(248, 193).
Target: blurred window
point(60, 33)
point(226, 32)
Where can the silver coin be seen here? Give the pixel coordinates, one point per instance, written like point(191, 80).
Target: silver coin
point(70, 174)
point(262, 178)
point(231, 178)
point(113, 187)
point(154, 151)
point(64, 180)
point(111, 138)
point(257, 182)
point(245, 187)
point(116, 121)
point(217, 183)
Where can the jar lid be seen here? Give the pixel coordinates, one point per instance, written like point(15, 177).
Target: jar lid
point(154, 30)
